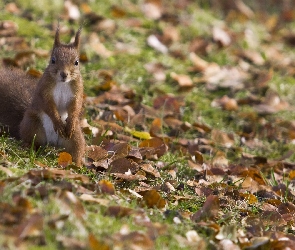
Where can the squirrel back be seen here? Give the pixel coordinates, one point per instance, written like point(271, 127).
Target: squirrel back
point(16, 93)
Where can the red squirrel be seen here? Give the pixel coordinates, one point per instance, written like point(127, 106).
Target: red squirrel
point(47, 112)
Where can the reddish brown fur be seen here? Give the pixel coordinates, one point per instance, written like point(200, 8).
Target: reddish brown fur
point(62, 70)
point(15, 98)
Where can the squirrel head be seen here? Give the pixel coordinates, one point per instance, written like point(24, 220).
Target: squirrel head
point(64, 62)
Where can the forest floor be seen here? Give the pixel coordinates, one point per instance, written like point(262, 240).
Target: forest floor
point(190, 126)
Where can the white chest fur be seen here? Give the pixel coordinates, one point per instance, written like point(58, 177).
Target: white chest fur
point(62, 95)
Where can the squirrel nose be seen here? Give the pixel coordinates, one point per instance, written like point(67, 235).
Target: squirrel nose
point(63, 74)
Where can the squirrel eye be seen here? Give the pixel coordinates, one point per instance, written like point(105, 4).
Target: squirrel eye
point(53, 60)
point(76, 63)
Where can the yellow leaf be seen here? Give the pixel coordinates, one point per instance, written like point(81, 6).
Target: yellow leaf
point(139, 134)
point(292, 174)
point(250, 198)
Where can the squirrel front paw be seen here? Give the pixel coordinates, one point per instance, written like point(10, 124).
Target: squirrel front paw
point(69, 130)
point(60, 129)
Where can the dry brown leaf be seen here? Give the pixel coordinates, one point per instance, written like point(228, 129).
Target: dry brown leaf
point(96, 153)
point(253, 56)
point(157, 69)
point(8, 28)
point(150, 169)
point(221, 36)
point(199, 63)
point(184, 81)
point(120, 150)
point(209, 211)
point(72, 11)
point(64, 159)
point(217, 77)
point(168, 103)
point(123, 165)
point(34, 73)
point(173, 122)
point(250, 198)
point(158, 145)
point(7, 171)
point(156, 127)
point(152, 9)
point(90, 198)
point(95, 244)
point(70, 242)
point(106, 187)
point(98, 47)
point(72, 203)
point(118, 211)
point(226, 103)
point(272, 218)
point(285, 208)
point(88, 129)
point(250, 185)
point(130, 177)
point(33, 226)
point(133, 240)
point(118, 12)
point(12, 8)
point(222, 138)
point(153, 199)
point(55, 174)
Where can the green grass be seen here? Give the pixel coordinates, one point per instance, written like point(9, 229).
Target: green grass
point(129, 70)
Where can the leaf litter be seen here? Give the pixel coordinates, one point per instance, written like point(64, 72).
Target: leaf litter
point(230, 186)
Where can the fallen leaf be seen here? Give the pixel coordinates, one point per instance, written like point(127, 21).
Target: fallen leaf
point(106, 187)
point(96, 153)
point(123, 165)
point(95, 244)
point(64, 159)
point(222, 138)
point(149, 169)
point(118, 12)
point(156, 127)
point(72, 11)
point(130, 177)
point(55, 174)
point(226, 103)
point(139, 134)
point(90, 198)
point(152, 9)
point(6, 170)
point(209, 211)
point(72, 203)
point(118, 211)
point(153, 199)
point(155, 43)
point(184, 81)
point(33, 226)
point(158, 145)
point(221, 36)
point(98, 47)
point(250, 198)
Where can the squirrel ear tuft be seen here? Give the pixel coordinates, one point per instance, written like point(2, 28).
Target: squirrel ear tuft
point(77, 38)
point(56, 39)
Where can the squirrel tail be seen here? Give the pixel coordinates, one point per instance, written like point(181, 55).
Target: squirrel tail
point(16, 92)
